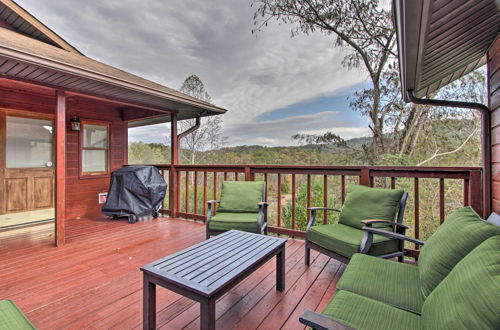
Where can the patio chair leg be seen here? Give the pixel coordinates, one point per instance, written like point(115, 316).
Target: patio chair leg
point(307, 256)
point(401, 258)
point(207, 233)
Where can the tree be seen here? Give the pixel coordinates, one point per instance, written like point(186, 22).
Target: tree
point(209, 134)
point(365, 30)
point(361, 26)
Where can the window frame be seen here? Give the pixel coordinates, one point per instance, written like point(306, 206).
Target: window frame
point(81, 149)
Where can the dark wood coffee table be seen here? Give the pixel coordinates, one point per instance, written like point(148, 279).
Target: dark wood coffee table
point(205, 271)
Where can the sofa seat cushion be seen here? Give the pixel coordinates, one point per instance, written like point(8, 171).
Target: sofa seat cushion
point(241, 196)
point(461, 232)
point(469, 297)
point(12, 318)
point(361, 313)
point(240, 221)
point(387, 281)
point(346, 240)
point(363, 203)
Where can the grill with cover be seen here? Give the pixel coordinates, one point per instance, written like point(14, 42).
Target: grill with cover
point(135, 191)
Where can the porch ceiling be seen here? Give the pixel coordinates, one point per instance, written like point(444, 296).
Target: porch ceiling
point(440, 41)
point(26, 59)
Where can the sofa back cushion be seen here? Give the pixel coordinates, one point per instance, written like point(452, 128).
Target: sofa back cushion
point(241, 196)
point(469, 297)
point(363, 203)
point(461, 232)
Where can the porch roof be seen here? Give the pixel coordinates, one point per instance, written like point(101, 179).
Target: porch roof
point(30, 60)
point(441, 41)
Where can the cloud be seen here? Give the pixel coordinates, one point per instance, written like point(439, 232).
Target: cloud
point(279, 132)
point(168, 41)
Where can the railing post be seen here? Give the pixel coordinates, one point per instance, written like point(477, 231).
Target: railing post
point(248, 174)
point(364, 178)
point(475, 192)
point(174, 160)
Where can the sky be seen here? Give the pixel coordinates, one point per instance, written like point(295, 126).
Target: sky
point(272, 85)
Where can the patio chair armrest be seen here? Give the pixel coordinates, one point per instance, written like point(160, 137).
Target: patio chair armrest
point(313, 214)
point(263, 211)
point(321, 322)
point(322, 209)
point(391, 234)
point(213, 201)
point(370, 222)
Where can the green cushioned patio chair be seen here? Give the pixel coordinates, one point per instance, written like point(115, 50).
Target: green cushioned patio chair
point(453, 286)
point(241, 207)
point(363, 206)
point(12, 318)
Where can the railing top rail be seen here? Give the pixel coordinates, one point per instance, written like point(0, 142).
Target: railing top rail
point(322, 167)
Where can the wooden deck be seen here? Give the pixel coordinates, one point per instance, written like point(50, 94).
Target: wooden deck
point(94, 280)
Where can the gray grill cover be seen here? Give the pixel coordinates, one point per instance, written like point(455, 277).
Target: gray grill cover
point(137, 190)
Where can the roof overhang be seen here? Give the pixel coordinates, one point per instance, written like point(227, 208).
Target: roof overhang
point(29, 60)
point(16, 18)
point(440, 41)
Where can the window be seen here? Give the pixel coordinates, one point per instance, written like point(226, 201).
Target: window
point(94, 141)
point(29, 143)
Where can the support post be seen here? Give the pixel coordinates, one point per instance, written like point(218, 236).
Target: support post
point(60, 152)
point(364, 178)
point(174, 160)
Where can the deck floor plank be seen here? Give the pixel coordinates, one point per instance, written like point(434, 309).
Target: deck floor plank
point(94, 281)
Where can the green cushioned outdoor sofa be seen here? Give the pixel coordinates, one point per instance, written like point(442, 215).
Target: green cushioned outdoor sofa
point(11, 318)
point(241, 207)
point(456, 284)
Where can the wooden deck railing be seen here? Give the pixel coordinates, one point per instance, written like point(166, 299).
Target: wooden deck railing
point(434, 191)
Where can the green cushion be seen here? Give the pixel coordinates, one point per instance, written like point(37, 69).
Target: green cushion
point(241, 196)
point(12, 318)
point(365, 313)
point(239, 221)
point(363, 203)
point(346, 240)
point(469, 297)
point(460, 233)
point(387, 281)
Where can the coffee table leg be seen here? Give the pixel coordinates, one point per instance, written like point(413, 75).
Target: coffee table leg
point(280, 270)
point(149, 304)
point(207, 314)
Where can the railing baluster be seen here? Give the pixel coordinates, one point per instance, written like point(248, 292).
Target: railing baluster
point(178, 190)
point(308, 198)
point(441, 200)
point(225, 176)
point(279, 199)
point(187, 191)
point(393, 182)
point(416, 210)
point(215, 191)
point(325, 198)
point(267, 186)
point(294, 201)
point(342, 188)
point(236, 176)
point(195, 211)
point(205, 193)
point(466, 193)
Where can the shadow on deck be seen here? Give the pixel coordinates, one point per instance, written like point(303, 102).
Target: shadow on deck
point(94, 281)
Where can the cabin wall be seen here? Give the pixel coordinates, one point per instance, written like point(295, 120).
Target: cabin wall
point(81, 193)
point(494, 105)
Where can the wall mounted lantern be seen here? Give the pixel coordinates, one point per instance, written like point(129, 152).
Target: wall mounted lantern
point(75, 123)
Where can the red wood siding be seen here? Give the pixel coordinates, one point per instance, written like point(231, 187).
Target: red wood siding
point(81, 194)
point(494, 104)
